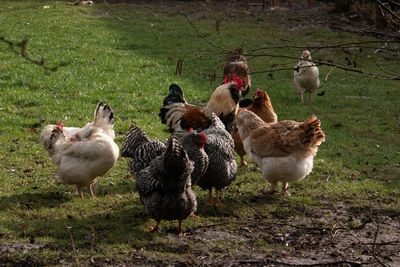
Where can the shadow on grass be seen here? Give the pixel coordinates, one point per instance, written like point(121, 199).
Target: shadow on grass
point(34, 200)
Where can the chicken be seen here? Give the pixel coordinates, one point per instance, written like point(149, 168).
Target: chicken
point(262, 107)
point(165, 186)
point(236, 65)
point(222, 167)
point(284, 150)
point(83, 154)
point(306, 76)
point(142, 149)
point(180, 116)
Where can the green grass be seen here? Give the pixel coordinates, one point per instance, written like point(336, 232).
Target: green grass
point(118, 54)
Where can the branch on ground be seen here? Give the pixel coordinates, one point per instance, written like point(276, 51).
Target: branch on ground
point(20, 48)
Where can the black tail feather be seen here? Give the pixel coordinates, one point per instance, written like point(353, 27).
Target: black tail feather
point(175, 95)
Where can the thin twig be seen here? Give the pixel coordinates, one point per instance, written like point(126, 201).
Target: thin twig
point(73, 244)
point(388, 9)
point(340, 46)
point(203, 37)
point(329, 73)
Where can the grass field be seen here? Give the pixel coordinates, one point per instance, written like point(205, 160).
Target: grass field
point(119, 54)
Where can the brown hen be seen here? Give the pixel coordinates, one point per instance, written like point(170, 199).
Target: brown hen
point(284, 150)
point(262, 107)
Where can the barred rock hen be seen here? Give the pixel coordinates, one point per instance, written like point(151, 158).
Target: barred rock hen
point(306, 76)
point(165, 186)
point(236, 65)
point(142, 149)
point(262, 107)
point(180, 116)
point(83, 154)
point(284, 150)
point(222, 167)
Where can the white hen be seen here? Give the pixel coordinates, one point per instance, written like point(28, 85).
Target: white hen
point(306, 76)
point(83, 154)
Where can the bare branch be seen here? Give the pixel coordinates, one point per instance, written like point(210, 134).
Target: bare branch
point(387, 9)
point(344, 45)
point(23, 53)
point(203, 37)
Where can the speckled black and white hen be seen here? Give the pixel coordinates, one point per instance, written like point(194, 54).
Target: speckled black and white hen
point(141, 148)
point(222, 167)
point(165, 186)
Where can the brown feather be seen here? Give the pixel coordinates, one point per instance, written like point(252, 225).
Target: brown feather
point(286, 137)
point(262, 106)
point(194, 117)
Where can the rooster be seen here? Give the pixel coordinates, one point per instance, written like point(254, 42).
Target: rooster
point(83, 154)
point(306, 76)
point(222, 167)
point(165, 186)
point(180, 116)
point(262, 107)
point(284, 150)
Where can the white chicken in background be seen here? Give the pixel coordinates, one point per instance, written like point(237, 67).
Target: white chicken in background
point(83, 154)
point(284, 150)
point(306, 76)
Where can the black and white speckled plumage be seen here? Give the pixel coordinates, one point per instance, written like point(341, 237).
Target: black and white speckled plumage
point(165, 187)
point(195, 154)
point(142, 149)
point(222, 167)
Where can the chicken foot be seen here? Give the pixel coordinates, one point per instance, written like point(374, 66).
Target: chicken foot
point(155, 229)
point(244, 163)
point(95, 183)
point(217, 202)
point(285, 189)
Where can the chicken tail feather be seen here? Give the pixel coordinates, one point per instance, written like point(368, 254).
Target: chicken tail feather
point(176, 161)
point(134, 138)
point(175, 95)
point(313, 134)
point(104, 117)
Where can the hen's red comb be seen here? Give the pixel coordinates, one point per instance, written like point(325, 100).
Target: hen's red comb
point(59, 124)
point(190, 130)
point(235, 79)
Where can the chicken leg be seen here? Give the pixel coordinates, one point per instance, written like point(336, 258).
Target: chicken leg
point(89, 187)
point(80, 191)
point(272, 189)
point(285, 189)
point(217, 202)
point(210, 201)
point(180, 228)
